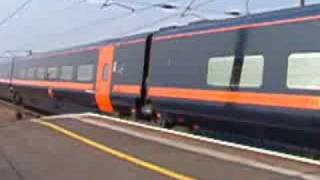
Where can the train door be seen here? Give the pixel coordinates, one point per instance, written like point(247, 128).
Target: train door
point(104, 78)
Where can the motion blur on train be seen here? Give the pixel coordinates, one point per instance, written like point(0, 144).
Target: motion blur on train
point(256, 76)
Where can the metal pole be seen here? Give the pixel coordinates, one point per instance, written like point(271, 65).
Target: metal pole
point(302, 3)
point(247, 7)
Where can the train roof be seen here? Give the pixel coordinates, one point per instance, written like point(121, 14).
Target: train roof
point(283, 14)
point(101, 43)
point(86, 47)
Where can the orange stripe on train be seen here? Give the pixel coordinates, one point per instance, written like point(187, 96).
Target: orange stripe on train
point(250, 98)
point(55, 85)
point(5, 81)
point(264, 99)
point(126, 89)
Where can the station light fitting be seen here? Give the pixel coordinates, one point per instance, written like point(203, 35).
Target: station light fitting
point(10, 53)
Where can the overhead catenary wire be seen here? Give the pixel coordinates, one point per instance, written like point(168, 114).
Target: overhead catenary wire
point(188, 8)
point(195, 8)
point(148, 6)
point(179, 14)
point(192, 9)
point(101, 21)
point(150, 24)
point(15, 12)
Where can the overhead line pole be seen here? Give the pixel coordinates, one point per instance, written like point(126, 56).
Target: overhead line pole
point(247, 7)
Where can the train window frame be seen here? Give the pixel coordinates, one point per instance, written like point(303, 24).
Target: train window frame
point(246, 71)
point(86, 79)
point(22, 75)
point(31, 76)
point(227, 61)
point(291, 81)
point(70, 74)
point(44, 75)
point(56, 74)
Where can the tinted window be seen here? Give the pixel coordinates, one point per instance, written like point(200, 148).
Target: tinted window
point(41, 73)
point(22, 73)
point(66, 73)
point(52, 73)
point(304, 71)
point(85, 72)
point(31, 73)
point(220, 71)
point(106, 72)
point(252, 71)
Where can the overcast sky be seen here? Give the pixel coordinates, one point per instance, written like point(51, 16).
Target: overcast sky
point(53, 24)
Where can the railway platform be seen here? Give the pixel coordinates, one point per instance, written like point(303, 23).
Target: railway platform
point(90, 146)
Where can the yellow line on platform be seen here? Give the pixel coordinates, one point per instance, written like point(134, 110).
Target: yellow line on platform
point(116, 153)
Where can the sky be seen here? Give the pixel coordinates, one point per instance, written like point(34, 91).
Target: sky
point(45, 25)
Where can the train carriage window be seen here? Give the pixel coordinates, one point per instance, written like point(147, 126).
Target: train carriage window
point(22, 74)
point(303, 71)
point(106, 72)
point(252, 71)
point(85, 72)
point(220, 71)
point(31, 73)
point(41, 73)
point(66, 73)
point(53, 73)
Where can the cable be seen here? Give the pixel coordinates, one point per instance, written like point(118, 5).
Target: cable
point(144, 26)
point(194, 8)
point(184, 13)
point(203, 4)
point(15, 12)
point(100, 21)
point(114, 19)
point(188, 8)
point(141, 3)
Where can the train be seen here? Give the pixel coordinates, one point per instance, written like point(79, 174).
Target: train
point(256, 75)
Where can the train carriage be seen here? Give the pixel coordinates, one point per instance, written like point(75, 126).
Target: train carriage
point(256, 76)
point(129, 74)
point(58, 82)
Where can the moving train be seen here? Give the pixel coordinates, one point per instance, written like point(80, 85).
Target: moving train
point(257, 75)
